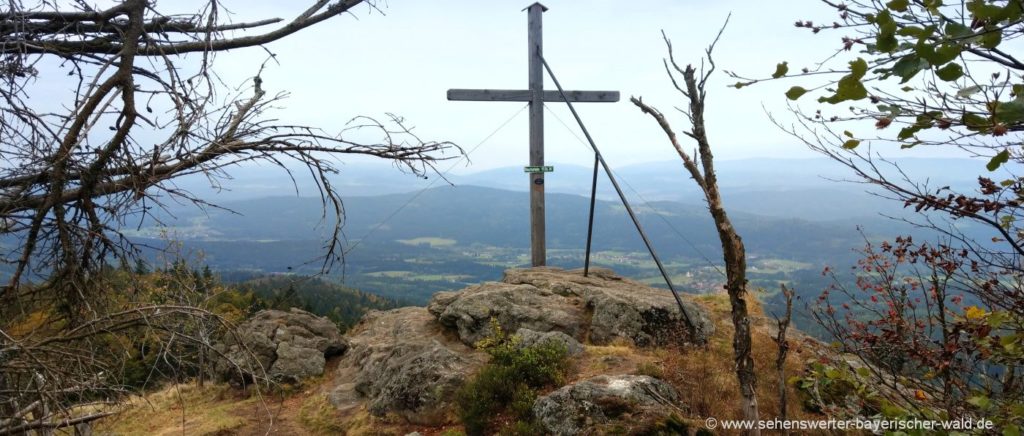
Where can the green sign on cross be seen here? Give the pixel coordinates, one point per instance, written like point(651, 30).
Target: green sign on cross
point(539, 169)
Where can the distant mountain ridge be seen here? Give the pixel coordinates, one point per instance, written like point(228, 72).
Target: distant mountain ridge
point(468, 215)
point(792, 188)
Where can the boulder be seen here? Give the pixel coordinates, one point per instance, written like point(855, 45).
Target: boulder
point(530, 338)
point(603, 401)
point(286, 346)
point(601, 308)
point(402, 362)
point(514, 306)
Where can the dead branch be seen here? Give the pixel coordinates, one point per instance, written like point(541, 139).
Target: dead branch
point(701, 168)
point(783, 344)
point(145, 108)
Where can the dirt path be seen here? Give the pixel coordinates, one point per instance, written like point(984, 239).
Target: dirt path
point(275, 416)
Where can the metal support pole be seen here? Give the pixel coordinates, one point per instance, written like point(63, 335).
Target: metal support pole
point(590, 222)
point(696, 336)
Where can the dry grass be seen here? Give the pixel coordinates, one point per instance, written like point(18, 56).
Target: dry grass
point(175, 410)
point(608, 359)
point(609, 350)
point(707, 382)
point(318, 416)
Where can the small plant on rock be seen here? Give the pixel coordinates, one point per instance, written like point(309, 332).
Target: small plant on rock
point(507, 385)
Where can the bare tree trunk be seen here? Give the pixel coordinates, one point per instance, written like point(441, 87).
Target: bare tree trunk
point(202, 366)
point(780, 360)
point(735, 258)
point(702, 170)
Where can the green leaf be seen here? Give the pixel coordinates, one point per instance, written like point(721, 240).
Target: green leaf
point(998, 160)
point(950, 72)
point(947, 52)
point(991, 37)
point(983, 11)
point(850, 86)
point(739, 85)
point(975, 122)
point(907, 132)
point(956, 30)
point(851, 144)
point(898, 5)
point(910, 145)
point(914, 31)
point(847, 133)
point(937, 55)
point(908, 67)
point(795, 92)
point(858, 68)
point(927, 119)
point(1010, 112)
point(863, 372)
point(1013, 11)
point(892, 109)
point(886, 41)
point(780, 70)
point(1011, 430)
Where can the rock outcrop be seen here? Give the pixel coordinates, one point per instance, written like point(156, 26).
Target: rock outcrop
point(409, 362)
point(402, 362)
point(286, 346)
point(600, 308)
point(514, 306)
point(602, 400)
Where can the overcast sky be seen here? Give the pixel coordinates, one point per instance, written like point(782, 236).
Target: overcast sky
point(404, 59)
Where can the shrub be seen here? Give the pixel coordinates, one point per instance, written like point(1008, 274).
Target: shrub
point(508, 383)
point(935, 334)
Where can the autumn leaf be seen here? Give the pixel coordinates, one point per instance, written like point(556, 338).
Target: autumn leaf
point(974, 312)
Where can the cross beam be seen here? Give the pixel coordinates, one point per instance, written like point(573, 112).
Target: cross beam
point(536, 95)
point(527, 95)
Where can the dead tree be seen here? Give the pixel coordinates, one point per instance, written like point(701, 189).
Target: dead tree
point(783, 344)
point(145, 107)
point(702, 170)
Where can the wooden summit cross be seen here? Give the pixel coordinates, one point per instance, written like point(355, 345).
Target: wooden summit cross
point(536, 95)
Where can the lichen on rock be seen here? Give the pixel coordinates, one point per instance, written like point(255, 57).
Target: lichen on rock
point(600, 308)
point(287, 346)
point(602, 400)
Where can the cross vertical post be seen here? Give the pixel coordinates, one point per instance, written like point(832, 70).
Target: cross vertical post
point(538, 247)
point(536, 96)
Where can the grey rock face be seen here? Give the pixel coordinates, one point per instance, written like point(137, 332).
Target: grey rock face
point(530, 338)
point(514, 306)
point(550, 299)
point(402, 362)
point(287, 346)
point(601, 400)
